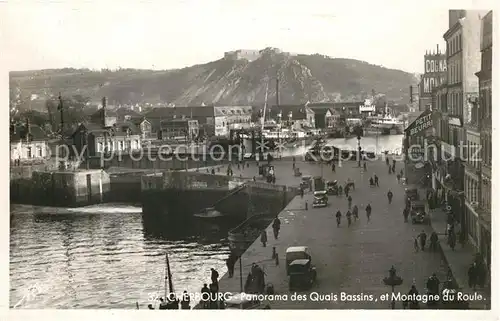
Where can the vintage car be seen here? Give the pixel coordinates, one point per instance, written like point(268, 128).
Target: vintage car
point(320, 199)
point(302, 275)
point(296, 253)
point(419, 212)
point(242, 301)
point(332, 187)
point(306, 182)
point(412, 193)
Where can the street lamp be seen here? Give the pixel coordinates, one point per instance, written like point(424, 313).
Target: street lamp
point(393, 280)
point(359, 147)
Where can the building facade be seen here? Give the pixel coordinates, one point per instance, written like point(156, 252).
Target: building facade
point(482, 209)
point(28, 143)
point(434, 75)
point(180, 129)
point(232, 117)
point(462, 61)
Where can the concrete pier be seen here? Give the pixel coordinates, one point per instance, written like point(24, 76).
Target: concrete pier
point(61, 188)
point(351, 259)
point(172, 197)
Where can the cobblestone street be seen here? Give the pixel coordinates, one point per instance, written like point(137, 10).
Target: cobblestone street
point(351, 259)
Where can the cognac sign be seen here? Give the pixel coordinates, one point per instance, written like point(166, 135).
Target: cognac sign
point(434, 73)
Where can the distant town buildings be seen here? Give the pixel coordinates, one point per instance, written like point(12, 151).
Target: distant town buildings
point(179, 129)
point(28, 143)
point(249, 54)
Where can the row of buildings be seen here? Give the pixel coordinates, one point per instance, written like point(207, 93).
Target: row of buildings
point(456, 116)
point(124, 129)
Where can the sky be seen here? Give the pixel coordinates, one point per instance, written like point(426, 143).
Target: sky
point(170, 34)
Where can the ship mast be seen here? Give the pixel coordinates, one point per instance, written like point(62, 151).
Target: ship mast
point(263, 122)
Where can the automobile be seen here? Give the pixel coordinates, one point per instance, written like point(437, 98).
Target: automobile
point(320, 199)
point(419, 212)
point(302, 275)
point(306, 182)
point(243, 301)
point(248, 156)
point(296, 253)
point(412, 193)
point(332, 187)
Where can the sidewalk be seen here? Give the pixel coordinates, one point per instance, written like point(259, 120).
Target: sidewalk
point(459, 260)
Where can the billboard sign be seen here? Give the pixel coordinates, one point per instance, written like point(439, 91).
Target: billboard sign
point(423, 125)
point(435, 71)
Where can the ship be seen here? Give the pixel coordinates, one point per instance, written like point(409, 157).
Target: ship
point(386, 124)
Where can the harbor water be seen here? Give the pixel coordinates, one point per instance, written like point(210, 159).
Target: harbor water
point(103, 257)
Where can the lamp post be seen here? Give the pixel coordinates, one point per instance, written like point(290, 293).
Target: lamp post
point(393, 280)
point(359, 147)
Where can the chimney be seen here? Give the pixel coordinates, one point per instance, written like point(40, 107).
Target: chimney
point(28, 130)
point(104, 102)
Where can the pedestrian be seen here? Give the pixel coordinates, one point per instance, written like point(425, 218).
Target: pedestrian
point(406, 213)
point(348, 216)
point(390, 170)
point(346, 190)
point(333, 167)
point(230, 261)
point(205, 295)
point(163, 305)
point(214, 289)
point(185, 301)
point(398, 177)
point(213, 171)
point(368, 212)
point(452, 240)
point(423, 239)
point(376, 180)
point(301, 192)
point(274, 253)
point(415, 244)
point(306, 205)
point(389, 196)
point(263, 238)
point(275, 256)
point(349, 201)
point(276, 227)
point(386, 160)
point(471, 273)
point(248, 164)
point(338, 216)
point(248, 283)
point(364, 166)
point(355, 212)
point(434, 241)
point(214, 276)
point(393, 162)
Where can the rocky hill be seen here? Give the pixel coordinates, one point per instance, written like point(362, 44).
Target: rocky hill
point(302, 78)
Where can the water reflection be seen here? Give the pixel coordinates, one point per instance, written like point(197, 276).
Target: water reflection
point(107, 259)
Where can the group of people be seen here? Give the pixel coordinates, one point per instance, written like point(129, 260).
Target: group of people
point(255, 282)
point(352, 214)
point(421, 240)
point(477, 273)
point(212, 291)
